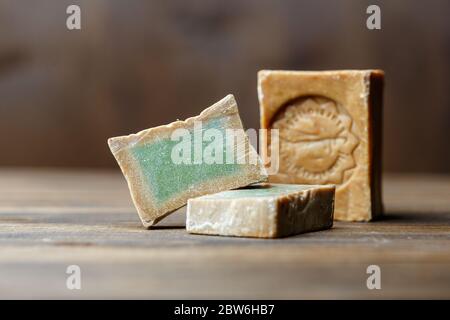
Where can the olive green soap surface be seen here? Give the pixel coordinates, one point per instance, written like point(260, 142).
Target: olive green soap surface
point(159, 185)
point(263, 211)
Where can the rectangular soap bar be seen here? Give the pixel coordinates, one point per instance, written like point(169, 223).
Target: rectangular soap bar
point(166, 165)
point(329, 126)
point(263, 211)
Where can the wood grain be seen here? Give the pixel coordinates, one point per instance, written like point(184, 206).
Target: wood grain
point(50, 219)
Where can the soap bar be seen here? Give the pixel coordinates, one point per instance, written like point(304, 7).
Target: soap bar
point(329, 126)
point(166, 165)
point(262, 211)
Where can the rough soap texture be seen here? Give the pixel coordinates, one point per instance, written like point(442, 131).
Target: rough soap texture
point(159, 186)
point(262, 210)
point(330, 133)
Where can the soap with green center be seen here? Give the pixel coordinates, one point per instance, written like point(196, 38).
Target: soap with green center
point(166, 165)
point(263, 211)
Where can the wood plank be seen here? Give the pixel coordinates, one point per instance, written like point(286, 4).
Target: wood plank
point(51, 219)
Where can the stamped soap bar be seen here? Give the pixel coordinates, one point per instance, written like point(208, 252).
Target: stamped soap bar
point(263, 211)
point(166, 165)
point(329, 126)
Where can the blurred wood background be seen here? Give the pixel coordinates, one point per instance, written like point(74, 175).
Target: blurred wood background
point(137, 64)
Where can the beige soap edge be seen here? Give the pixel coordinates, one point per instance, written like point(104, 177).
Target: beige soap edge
point(116, 144)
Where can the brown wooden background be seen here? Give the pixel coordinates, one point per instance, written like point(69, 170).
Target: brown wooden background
point(137, 64)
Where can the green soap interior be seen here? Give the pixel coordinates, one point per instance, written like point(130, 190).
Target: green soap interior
point(166, 179)
point(259, 191)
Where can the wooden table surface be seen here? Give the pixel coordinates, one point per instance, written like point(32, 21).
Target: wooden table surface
point(50, 219)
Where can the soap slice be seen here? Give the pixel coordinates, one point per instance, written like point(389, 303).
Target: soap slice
point(330, 128)
point(166, 165)
point(263, 211)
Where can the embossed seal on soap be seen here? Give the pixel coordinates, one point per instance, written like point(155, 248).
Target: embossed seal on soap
point(316, 141)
